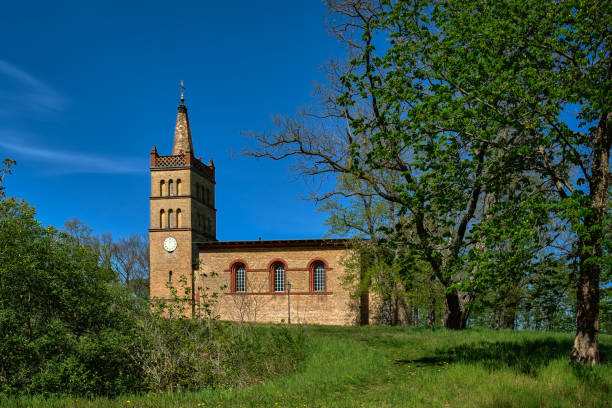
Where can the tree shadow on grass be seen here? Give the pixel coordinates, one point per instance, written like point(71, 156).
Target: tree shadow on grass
point(525, 356)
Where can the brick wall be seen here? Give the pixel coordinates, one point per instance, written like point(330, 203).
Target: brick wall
point(162, 262)
point(259, 303)
point(181, 260)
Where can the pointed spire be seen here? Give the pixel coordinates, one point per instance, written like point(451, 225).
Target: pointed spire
point(182, 132)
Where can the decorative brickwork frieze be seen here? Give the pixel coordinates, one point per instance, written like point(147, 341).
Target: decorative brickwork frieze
point(170, 161)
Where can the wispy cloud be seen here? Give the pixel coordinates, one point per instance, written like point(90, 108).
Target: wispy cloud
point(21, 92)
point(65, 162)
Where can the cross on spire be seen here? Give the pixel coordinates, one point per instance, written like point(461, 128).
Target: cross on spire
point(182, 91)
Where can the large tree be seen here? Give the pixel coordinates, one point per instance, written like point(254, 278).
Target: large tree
point(380, 120)
point(545, 72)
point(128, 257)
point(458, 99)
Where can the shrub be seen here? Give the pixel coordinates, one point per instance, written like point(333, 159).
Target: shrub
point(183, 354)
point(66, 325)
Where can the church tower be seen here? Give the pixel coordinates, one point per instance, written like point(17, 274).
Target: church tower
point(182, 206)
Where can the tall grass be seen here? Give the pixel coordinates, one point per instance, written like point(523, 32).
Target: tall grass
point(404, 367)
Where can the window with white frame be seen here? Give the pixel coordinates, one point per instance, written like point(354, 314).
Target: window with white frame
point(279, 278)
point(240, 278)
point(319, 277)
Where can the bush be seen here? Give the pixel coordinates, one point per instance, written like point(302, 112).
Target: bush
point(66, 325)
point(185, 354)
point(256, 352)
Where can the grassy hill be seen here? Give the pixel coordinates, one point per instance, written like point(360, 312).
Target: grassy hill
point(407, 367)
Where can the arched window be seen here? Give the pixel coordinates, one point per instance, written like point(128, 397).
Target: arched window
point(179, 218)
point(170, 277)
point(162, 186)
point(279, 277)
point(162, 214)
point(202, 197)
point(318, 277)
point(170, 187)
point(239, 277)
point(170, 219)
point(179, 187)
point(196, 193)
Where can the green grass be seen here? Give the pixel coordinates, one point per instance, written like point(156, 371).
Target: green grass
point(405, 367)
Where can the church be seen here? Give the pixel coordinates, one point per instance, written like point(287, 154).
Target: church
point(295, 281)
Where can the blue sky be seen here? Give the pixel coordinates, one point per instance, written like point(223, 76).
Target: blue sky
point(87, 88)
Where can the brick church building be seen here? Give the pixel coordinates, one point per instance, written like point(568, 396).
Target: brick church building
point(253, 279)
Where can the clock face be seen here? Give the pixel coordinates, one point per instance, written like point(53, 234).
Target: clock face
point(169, 244)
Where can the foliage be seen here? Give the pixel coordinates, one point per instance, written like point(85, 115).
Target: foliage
point(488, 125)
point(389, 120)
point(67, 326)
point(524, 69)
point(128, 257)
point(70, 326)
point(6, 169)
point(187, 348)
point(398, 366)
point(606, 310)
point(182, 354)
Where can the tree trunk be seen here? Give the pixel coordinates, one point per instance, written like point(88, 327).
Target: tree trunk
point(537, 321)
point(407, 307)
point(586, 343)
point(395, 319)
point(431, 318)
point(386, 306)
point(364, 309)
point(497, 317)
point(364, 298)
point(509, 315)
point(431, 313)
point(509, 318)
point(386, 317)
point(456, 313)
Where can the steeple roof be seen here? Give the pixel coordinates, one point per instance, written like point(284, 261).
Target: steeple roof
point(182, 131)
